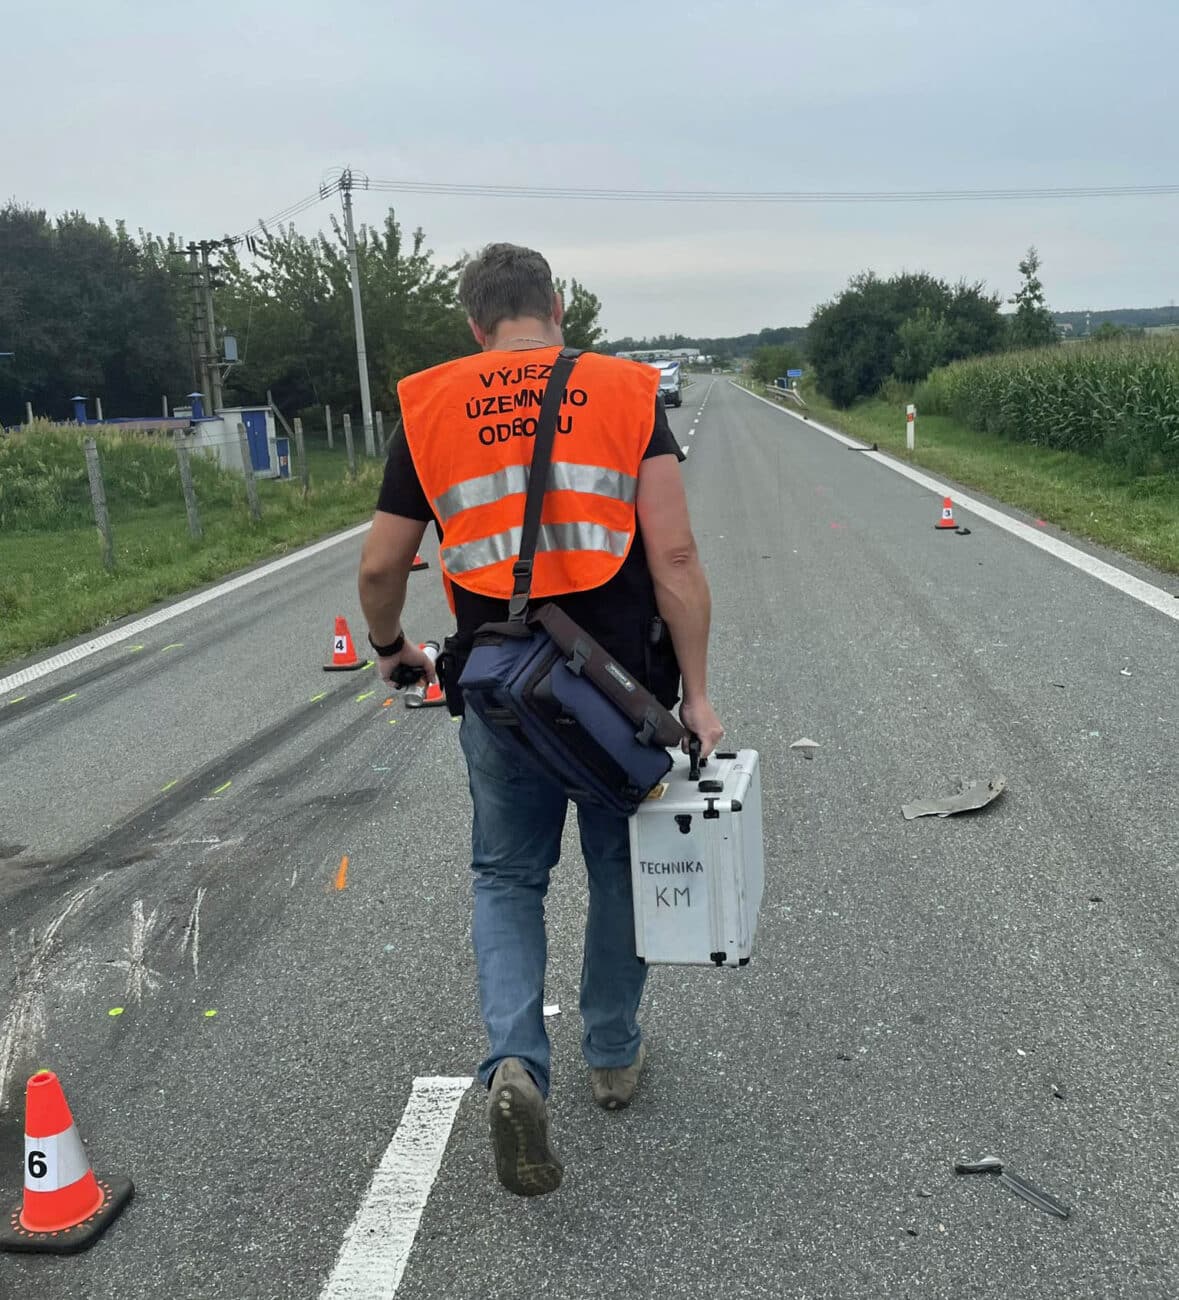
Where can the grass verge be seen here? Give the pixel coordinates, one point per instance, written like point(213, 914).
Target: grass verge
point(1135, 514)
point(53, 585)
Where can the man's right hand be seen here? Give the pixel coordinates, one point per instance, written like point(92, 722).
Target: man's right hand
point(699, 717)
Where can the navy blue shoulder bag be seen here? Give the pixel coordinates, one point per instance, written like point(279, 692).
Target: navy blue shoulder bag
point(549, 693)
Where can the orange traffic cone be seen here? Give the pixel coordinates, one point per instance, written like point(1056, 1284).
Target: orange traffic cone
point(947, 519)
point(344, 657)
point(418, 563)
point(65, 1207)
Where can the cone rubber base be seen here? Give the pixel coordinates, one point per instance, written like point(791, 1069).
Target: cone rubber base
point(421, 564)
point(345, 668)
point(116, 1193)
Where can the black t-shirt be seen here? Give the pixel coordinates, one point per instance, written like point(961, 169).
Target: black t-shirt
point(619, 614)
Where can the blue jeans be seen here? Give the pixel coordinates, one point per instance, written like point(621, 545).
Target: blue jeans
point(515, 843)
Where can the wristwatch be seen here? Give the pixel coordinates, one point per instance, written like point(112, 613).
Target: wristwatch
point(393, 648)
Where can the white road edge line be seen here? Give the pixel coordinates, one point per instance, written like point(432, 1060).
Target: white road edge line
point(378, 1241)
point(141, 625)
point(1144, 592)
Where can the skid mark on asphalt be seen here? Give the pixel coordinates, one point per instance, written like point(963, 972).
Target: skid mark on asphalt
point(119, 844)
point(192, 933)
point(25, 1021)
point(376, 1246)
point(135, 963)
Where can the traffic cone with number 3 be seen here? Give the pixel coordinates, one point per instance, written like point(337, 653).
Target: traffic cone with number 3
point(65, 1208)
point(947, 519)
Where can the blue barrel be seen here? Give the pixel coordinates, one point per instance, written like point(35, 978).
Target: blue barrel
point(283, 447)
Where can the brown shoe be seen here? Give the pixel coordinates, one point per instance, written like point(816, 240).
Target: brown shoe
point(519, 1120)
point(613, 1087)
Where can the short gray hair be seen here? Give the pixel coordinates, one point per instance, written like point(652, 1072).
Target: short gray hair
point(504, 282)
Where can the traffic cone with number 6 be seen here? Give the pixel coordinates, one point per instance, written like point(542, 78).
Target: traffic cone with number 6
point(65, 1208)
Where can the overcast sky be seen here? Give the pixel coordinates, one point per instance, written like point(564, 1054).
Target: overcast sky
point(203, 118)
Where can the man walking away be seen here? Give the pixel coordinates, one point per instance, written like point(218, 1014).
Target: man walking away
point(616, 552)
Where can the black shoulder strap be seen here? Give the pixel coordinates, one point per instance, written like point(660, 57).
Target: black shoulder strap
point(538, 478)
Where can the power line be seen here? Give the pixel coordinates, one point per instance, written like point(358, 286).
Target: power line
point(293, 210)
point(769, 196)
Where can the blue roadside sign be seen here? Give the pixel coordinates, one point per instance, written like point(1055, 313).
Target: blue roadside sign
point(794, 374)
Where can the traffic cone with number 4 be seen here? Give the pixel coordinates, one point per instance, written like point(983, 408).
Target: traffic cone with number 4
point(65, 1208)
point(344, 656)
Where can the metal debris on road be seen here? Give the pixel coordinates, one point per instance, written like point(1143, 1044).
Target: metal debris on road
point(1020, 1186)
point(806, 747)
point(1041, 1200)
point(987, 1165)
point(967, 797)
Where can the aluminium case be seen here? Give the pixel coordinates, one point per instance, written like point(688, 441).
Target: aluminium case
point(697, 865)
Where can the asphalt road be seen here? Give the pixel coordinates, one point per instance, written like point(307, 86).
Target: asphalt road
point(172, 836)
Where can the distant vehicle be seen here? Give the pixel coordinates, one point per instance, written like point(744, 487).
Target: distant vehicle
point(670, 383)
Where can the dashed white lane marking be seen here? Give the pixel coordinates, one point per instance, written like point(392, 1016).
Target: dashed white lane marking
point(378, 1241)
point(1144, 592)
point(141, 625)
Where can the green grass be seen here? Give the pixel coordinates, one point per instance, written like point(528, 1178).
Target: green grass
point(1089, 497)
point(52, 582)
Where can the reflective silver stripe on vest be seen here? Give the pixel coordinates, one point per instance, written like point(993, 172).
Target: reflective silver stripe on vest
point(564, 476)
point(553, 537)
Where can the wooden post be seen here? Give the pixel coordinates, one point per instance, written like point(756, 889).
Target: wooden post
point(28, 413)
point(98, 408)
point(381, 432)
point(348, 444)
point(186, 484)
point(304, 472)
point(164, 399)
point(248, 471)
point(327, 415)
point(98, 497)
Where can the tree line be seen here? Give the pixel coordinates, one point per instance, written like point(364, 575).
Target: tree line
point(904, 327)
point(90, 309)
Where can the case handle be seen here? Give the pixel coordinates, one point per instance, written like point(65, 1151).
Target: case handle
point(694, 748)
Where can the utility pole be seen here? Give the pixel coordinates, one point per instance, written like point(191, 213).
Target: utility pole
point(198, 333)
point(346, 182)
point(210, 330)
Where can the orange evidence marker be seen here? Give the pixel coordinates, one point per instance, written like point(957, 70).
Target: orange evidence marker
point(65, 1208)
point(947, 519)
point(344, 657)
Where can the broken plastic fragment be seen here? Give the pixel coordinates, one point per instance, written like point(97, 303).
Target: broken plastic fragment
point(551, 1009)
point(1041, 1200)
point(966, 798)
point(806, 746)
point(987, 1165)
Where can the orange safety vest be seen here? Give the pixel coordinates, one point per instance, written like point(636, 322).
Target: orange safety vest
point(470, 425)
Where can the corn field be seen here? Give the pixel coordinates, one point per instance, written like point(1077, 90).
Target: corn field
point(1115, 400)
